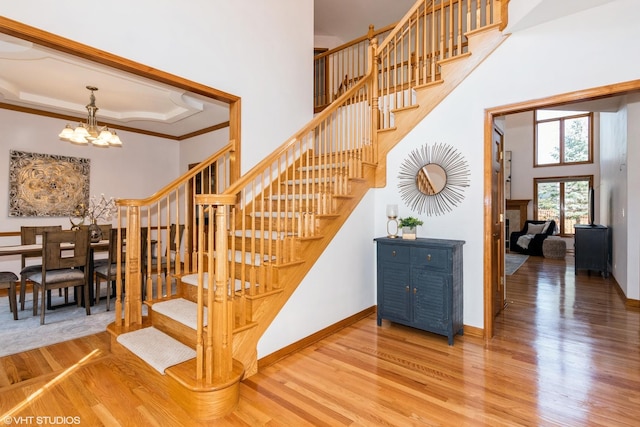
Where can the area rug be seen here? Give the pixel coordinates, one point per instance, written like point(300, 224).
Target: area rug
point(512, 262)
point(61, 324)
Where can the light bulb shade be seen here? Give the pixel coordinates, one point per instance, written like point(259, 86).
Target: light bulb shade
point(81, 131)
point(115, 140)
point(78, 139)
point(392, 211)
point(105, 135)
point(66, 133)
point(99, 142)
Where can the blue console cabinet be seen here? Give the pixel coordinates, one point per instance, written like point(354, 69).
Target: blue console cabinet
point(420, 284)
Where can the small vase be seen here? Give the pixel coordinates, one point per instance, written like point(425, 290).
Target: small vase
point(409, 233)
point(95, 232)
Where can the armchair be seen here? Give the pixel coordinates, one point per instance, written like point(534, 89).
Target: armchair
point(537, 232)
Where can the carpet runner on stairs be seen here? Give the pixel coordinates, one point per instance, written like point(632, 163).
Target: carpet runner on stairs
point(180, 310)
point(156, 348)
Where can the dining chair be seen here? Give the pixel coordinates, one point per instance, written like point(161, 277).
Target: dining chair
point(8, 281)
point(29, 236)
point(107, 270)
point(63, 268)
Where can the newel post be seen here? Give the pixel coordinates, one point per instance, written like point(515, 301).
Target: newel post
point(218, 349)
point(133, 269)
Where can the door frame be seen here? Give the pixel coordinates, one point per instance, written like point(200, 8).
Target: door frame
point(594, 93)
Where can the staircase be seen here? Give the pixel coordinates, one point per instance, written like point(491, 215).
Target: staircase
point(251, 242)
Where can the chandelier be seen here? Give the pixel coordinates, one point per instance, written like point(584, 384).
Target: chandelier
point(90, 132)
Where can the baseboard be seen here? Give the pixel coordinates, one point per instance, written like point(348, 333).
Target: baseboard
point(633, 303)
point(473, 331)
point(305, 342)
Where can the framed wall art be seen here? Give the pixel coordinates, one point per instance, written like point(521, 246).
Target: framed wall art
point(46, 184)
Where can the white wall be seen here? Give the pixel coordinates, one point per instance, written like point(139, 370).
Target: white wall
point(633, 201)
point(340, 284)
point(530, 64)
point(613, 187)
point(519, 139)
point(198, 148)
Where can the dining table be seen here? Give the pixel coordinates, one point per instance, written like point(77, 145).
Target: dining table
point(36, 248)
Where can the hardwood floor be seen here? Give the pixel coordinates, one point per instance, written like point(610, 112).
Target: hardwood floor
point(566, 353)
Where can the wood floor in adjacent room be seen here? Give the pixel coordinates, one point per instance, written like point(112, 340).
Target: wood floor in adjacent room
point(566, 353)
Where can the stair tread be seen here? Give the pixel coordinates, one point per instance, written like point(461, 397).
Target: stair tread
point(192, 279)
point(248, 233)
point(181, 310)
point(156, 348)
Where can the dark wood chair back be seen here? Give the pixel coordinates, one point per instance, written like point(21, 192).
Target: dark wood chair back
point(54, 258)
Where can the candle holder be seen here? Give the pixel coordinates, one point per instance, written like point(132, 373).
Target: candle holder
point(392, 222)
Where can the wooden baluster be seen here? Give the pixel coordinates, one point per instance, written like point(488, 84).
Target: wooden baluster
point(469, 27)
point(459, 32)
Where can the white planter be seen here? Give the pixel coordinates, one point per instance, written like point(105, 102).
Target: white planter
point(409, 233)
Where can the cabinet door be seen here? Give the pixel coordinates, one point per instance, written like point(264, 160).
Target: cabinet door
point(431, 300)
point(590, 249)
point(393, 291)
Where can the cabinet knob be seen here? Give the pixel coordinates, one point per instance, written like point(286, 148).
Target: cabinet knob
point(429, 257)
point(406, 288)
point(415, 291)
point(393, 253)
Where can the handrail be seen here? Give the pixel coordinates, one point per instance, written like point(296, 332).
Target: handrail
point(401, 24)
point(365, 37)
point(190, 174)
point(319, 118)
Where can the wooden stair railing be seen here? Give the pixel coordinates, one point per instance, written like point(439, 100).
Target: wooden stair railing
point(337, 69)
point(254, 240)
point(431, 33)
point(409, 56)
point(277, 207)
point(150, 268)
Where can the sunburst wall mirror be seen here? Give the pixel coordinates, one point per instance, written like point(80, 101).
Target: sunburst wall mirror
point(432, 179)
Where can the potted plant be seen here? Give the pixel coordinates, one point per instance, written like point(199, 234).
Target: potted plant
point(409, 225)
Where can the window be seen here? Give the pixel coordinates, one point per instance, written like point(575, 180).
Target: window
point(564, 200)
point(562, 137)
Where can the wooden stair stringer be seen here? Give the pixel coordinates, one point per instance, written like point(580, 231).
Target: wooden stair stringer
point(453, 71)
point(290, 276)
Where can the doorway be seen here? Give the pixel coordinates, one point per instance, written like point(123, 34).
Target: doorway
point(493, 197)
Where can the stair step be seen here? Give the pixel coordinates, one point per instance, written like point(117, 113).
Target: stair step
point(293, 196)
point(275, 214)
point(310, 181)
point(181, 310)
point(322, 167)
point(259, 234)
point(192, 279)
point(156, 348)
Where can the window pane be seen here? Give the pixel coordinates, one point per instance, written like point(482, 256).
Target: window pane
point(576, 139)
point(548, 143)
point(576, 204)
point(549, 201)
